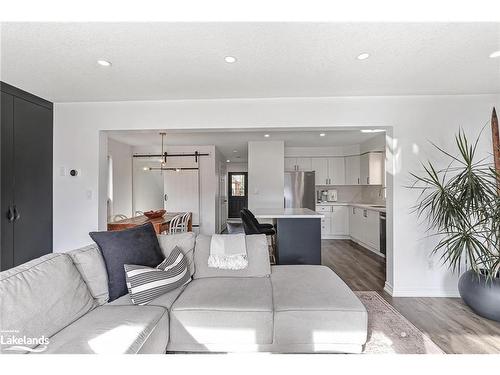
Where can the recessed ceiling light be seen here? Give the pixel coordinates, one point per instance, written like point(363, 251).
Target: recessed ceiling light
point(227, 161)
point(266, 135)
point(495, 54)
point(104, 63)
point(230, 59)
point(363, 56)
point(235, 151)
point(322, 134)
point(372, 130)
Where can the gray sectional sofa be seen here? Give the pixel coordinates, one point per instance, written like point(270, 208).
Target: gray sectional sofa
point(282, 309)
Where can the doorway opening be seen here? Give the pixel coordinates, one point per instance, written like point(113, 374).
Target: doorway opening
point(237, 193)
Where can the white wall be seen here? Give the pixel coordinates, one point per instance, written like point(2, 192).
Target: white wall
point(377, 143)
point(266, 180)
point(410, 120)
point(121, 154)
point(207, 174)
point(148, 187)
point(237, 167)
point(321, 151)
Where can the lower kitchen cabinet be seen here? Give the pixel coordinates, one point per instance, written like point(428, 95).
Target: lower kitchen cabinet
point(335, 224)
point(364, 227)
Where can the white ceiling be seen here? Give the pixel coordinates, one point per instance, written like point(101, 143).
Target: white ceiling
point(229, 141)
point(154, 61)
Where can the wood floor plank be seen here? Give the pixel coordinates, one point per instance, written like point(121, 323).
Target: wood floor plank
point(447, 321)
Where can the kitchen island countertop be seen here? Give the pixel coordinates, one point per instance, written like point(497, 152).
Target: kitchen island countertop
point(286, 213)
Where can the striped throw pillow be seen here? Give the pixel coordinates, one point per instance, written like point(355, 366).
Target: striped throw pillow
point(145, 283)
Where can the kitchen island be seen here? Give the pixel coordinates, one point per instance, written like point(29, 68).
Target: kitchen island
point(298, 234)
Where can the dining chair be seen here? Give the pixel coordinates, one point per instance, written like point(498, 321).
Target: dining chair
point(176, 224)
point(185, 221)
point(118, 217)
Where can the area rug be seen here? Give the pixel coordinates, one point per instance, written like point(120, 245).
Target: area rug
point(389, 332)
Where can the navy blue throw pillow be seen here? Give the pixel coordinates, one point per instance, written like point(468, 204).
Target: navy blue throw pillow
point(138, 245)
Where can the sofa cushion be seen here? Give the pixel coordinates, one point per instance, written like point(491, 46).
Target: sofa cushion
point(257, 255)
point(114, 329)
point(138, 245)
point(145, 283)
point(43, 296)
point(165, 300)
point(89, 261)
point(312, 305)
point(223, 310)
point(184, 241)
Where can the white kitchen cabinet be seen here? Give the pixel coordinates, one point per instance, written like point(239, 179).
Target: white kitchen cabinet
point(372, 232)
point(355, 223)
point(352, 170)
point(326, 226)
point(372, 168)
point(329, 171)
point(364, 227)
point(298, 164)
point(335, 223)
point(340, 221)
point(304, 164)
point(290, 164)
point(320, 167)
point(336, 171)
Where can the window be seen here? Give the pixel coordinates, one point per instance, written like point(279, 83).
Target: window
point(238, 185)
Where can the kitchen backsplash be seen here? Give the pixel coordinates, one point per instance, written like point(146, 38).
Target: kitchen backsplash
point(359, 194)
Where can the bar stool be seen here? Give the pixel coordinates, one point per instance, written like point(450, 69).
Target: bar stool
point(252, 226)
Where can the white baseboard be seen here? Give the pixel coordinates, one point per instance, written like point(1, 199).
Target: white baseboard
point(335, 237)
point(423, 293)
point(388, 288)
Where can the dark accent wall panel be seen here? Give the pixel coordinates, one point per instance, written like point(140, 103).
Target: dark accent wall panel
point(7, 177)
point(26, 202)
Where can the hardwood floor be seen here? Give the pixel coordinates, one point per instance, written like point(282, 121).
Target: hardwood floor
point(447, 321)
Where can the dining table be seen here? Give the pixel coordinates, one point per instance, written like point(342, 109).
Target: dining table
point(161, 224)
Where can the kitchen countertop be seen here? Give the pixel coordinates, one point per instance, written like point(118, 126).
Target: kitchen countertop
point(286, 213)
point(366, 206)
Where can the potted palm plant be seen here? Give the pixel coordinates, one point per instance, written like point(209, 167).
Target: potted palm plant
point(461, 204)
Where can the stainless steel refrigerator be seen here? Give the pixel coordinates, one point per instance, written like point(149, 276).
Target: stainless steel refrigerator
point(300, 190)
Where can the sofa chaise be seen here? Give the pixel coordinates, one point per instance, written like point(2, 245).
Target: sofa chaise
point(63, 297)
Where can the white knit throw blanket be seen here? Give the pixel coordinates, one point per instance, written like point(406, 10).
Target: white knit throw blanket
point(228, 252)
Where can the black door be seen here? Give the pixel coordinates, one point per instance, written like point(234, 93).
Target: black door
point(238, 193)
point(6, 214)
point(32, 180)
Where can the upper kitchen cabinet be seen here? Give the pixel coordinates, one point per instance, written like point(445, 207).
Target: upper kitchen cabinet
point(352, 170)
point(298, 164)
point(329, 171)
point(372, 168)
point(336, 171)
point(320, 167)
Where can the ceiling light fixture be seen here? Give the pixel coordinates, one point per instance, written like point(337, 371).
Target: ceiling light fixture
point(372, 130)
point(104, 63)
point(235, 151)
point(363, 56)
point(228, 161)
point(230, 59)
point(266, 135)
point(322, 134)
point(495, 54)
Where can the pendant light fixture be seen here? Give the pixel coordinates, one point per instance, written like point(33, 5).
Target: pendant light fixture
point(164, 154)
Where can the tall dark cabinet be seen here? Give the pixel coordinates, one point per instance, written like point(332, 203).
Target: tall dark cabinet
point(26, 176)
